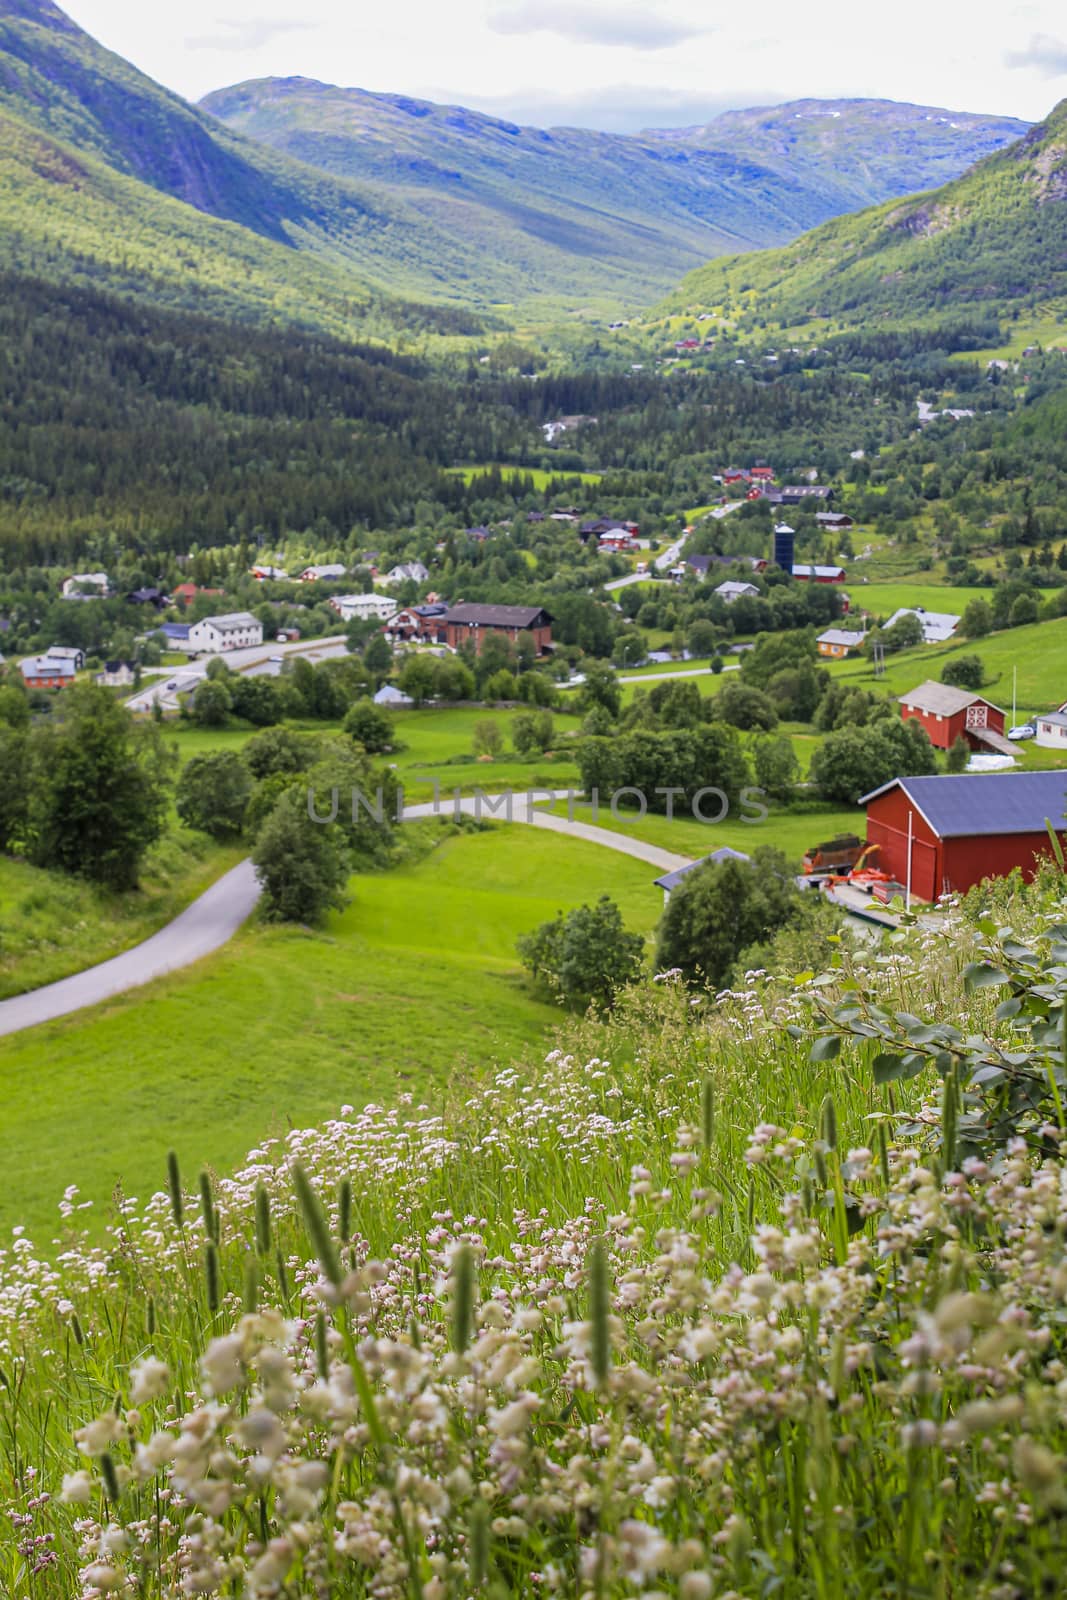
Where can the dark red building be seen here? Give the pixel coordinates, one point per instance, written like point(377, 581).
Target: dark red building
point(964, 828)
point(473, 622)
point(948, 714)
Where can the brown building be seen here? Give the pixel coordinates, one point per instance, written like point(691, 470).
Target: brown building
point(473, 622)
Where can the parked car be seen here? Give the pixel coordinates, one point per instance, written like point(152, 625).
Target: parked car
point(1024, 730)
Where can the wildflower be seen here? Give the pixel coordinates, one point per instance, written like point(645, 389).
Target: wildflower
point(514, 1418)
point(148, 1379)
point(77, 1488)
point(221, 1364)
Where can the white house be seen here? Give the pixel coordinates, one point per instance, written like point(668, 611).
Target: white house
point(234, 631)
point(1052, 729)
point(117, 674)
point(406, 571)
point(85, 583)
point(364, 606)
point(731, 590)
point(937, 626)
point(332, 572)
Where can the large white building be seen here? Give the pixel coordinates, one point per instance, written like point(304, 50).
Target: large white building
point(350, 607)
point(84, 583)
point(234, 631)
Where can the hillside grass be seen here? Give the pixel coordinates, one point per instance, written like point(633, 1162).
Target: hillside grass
point(406, 989)
point(52, 925)
point(791, 829)
point(541, 478)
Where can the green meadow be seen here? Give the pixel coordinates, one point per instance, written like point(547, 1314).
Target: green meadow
point(408, 988)
point(789, 829)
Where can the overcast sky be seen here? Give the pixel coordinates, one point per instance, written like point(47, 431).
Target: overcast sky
point(618, 64)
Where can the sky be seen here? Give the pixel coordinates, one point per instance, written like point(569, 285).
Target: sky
point(619, 65)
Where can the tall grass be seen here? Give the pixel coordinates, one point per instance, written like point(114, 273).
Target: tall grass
point(680, 1311)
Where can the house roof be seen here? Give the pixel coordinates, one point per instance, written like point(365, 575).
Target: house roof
point(1054, 719)
point(671, 880)
point(732, 590)
point(497, 616)
point(702, 563)
point(805, 571)
point(47, 667)
point(959, 805)
point(230, 621)
point(175, 630)
point(937, 626)
point(942, 699)
point(332, 569)
point(845, 636)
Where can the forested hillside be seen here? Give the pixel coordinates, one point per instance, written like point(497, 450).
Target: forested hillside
point(994, 240)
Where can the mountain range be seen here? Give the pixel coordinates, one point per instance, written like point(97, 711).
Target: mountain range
point(990, 244)
point(289, 201)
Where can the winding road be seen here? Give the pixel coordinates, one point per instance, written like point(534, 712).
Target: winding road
point(215, 917)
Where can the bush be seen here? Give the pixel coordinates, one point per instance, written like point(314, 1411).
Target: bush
point(302, 865)
point(745, 707)
point(533, 732)
point(977, 620)
point(959, 754)
point(371, 726)
point(212, 703)
point(777, 768)
point(964, 672)
point(586, 955)
point(852, 761)
point(279, 750)
point(213, 794)
point(719, 910)
point(488, 739)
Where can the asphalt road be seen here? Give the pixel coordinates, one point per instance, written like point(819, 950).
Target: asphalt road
point(255, 660)
point(211, 921)
point(201, 928)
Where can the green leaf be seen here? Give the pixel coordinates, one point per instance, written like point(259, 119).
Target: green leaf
point(1009, 1008)
point(887, 1067)
point(826, 1047)
point(980, 975)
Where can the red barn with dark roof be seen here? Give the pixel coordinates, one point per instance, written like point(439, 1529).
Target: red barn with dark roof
point(964, 827)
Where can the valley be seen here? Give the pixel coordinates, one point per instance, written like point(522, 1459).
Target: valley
point(542, 655)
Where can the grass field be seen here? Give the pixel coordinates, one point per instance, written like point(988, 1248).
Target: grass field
point(541, 478)
point(1038, 652)
point(790, 831)
point(920, 589)
point(415, 980)
point(52, 925)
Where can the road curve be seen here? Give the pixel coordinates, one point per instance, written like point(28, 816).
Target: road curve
point(215, 917)
point(201, 928)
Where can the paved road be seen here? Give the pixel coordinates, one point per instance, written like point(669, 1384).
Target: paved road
point(255, 660)
point(669, 557)
point(201, 928)
point(213, 919)
point(685, 672)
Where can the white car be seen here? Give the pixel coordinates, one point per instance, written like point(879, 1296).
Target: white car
point(1025, 730)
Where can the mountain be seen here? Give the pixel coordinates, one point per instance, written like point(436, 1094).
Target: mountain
point(108, 179)
point(874, 148)
point(989, 244)
point(572, 211)
point(290, 201)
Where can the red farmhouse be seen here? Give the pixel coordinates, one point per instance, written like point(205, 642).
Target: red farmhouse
point(964, 828)
point(948, 714)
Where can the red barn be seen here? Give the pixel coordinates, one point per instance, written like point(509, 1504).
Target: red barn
point(963, 828)
point(948, 713)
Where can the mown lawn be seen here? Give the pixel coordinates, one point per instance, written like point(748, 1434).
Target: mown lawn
point(918, 589)
point(1038, 652)
point(52, 925)
point(790, 830)
point(541, 478)
point(416, 980)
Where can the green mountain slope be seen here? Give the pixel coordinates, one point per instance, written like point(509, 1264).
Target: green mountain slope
point(993, 241)
point(578, 210)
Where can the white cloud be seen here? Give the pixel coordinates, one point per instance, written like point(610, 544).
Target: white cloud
point(636, 27)
point(242, 35)
point(1044, 54)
